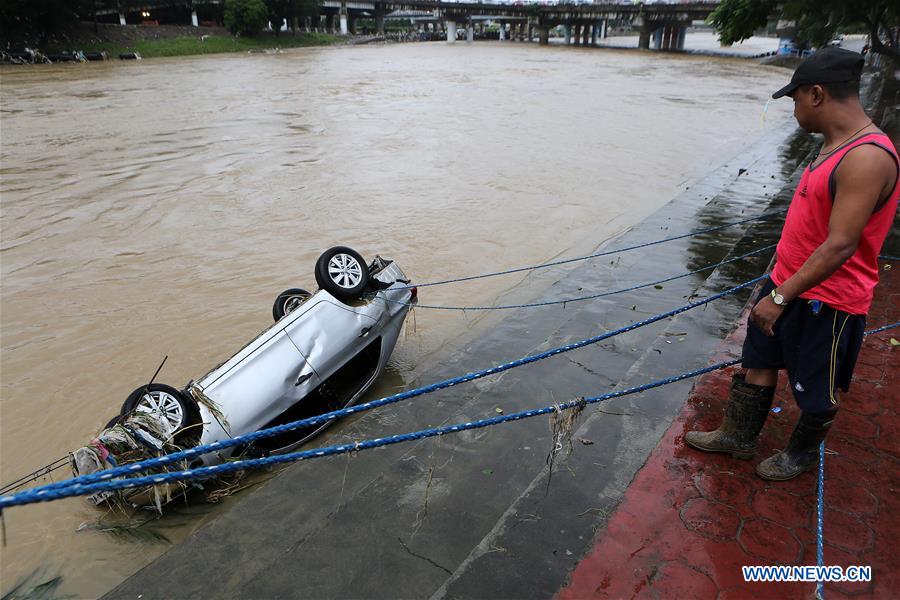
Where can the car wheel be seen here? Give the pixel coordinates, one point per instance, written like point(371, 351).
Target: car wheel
point(289, 300)
point(166, 402)
point(342, 272)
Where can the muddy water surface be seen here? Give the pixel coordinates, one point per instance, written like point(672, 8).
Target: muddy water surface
point(157, 208)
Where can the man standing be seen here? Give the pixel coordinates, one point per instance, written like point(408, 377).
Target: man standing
point(810, 316)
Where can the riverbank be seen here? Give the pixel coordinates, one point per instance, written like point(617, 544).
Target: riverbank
point(154, 41)
point(157, 41)
point(215, 44)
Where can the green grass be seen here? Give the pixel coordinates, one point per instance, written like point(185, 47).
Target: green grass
point(185, 46)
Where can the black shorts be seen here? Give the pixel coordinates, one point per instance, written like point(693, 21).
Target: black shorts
point(818, 346)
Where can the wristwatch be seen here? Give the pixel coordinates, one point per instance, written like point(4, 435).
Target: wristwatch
point(778, 299)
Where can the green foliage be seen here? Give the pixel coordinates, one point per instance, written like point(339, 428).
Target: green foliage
point(817, 21)
point(736, 20)
point(246, 17)
point(305, 8)
point(185, 46)
point(42, 15)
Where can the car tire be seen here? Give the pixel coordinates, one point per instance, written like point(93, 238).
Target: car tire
point(289, 300)
point(179, 411)
point(342, 272)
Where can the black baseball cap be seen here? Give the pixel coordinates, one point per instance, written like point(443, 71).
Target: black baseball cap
point(828, 65)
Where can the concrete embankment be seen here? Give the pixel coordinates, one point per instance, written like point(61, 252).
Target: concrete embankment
point(480, 514)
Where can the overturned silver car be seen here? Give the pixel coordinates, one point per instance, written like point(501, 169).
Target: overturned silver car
point(321, 354)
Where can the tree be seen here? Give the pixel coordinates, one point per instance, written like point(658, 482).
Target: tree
point(246, 17)
point(305, 8)
point(817, 20)
point(43, 16)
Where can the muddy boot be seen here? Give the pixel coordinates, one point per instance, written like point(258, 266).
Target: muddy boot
point(748, 407)
point(802, 452)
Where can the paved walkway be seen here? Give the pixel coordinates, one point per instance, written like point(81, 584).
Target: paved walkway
point(690, 520)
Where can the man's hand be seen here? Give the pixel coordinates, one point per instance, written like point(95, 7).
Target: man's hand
point(764, 315)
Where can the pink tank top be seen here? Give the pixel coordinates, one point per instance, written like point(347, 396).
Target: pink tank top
point(851, 287)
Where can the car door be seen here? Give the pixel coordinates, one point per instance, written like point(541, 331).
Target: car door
point(330, 334)
point(259, 383)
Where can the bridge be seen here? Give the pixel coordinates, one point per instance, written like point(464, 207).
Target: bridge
point(660, 25)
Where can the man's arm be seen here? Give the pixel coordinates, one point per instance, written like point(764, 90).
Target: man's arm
point(861, 180)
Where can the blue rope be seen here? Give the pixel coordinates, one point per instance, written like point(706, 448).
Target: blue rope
point(820, 509)
point(323, 418)
point(592, 296)
point(887, 257)
point(597, 255)
point(882, 328)
point(77, 488)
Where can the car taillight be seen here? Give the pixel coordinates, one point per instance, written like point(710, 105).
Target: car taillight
point(413, 294)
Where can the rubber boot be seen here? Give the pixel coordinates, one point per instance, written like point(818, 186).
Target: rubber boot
point(746, 412)
point(802, 452)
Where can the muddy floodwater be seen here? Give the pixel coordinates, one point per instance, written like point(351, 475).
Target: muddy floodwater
point(157, 208)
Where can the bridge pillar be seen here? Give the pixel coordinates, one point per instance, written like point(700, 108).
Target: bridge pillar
point(451, 32)
point(194, 20)
point(543, 34)
point(682, 33)
point(605, 29)
point(644, 40)
point(568, 29)
point(379, 21)
point(470, 31)
point(122, 19)
point(345, 29)
point(657, 38)
point(585, 35)
point(667, 37)
point(502, 31)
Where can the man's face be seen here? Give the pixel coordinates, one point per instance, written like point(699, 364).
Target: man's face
point(807, 99)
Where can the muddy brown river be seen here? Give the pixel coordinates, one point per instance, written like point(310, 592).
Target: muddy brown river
point(157, 208)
